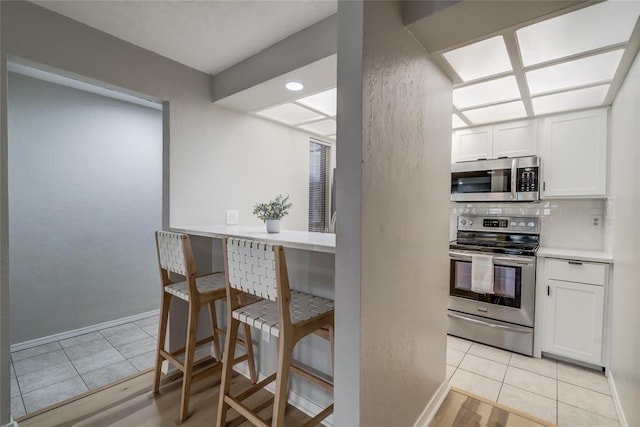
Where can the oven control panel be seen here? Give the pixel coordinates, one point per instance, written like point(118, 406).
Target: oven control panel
point(501, 224)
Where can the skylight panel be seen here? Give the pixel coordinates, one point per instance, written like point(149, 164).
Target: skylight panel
point(572, 100)
point(457, 122)
point(490, 92)
point(290, 114)
point(496, 113)
point(600, 25)
point(325, 102)
point(593, 69)
point(322, 127)
point(482, 59)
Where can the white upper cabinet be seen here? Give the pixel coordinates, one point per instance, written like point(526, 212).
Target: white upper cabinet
point(515, 139)
point(512, 139)
point(573, 148)
point(472, 144)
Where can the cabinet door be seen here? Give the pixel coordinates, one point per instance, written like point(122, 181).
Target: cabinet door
point(574, 155)
point(472, 144)
point(574, 321)
point(515, 139)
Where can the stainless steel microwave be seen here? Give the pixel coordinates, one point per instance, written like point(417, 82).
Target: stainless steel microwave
point(507, 180)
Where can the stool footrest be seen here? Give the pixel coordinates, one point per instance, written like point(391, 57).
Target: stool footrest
point(245, 412)
point(319, 417)
point(254, 388)
point(311, 376)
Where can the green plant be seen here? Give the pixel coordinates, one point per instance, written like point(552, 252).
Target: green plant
point(275, 209)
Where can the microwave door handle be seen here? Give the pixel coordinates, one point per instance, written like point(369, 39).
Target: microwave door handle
point(514, 179)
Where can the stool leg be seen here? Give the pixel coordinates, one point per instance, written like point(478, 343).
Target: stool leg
point(249, 348)
point(194, 310)
point(285, 349)
point(227, 368)
point(214, 329)
point(162, 335)
point(332, 340)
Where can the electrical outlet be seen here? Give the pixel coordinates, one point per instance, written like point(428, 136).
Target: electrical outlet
point(596, 220)
point(233, 217)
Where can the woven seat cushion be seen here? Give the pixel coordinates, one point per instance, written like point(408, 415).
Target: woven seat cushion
point(208, 283)
point(264, 314)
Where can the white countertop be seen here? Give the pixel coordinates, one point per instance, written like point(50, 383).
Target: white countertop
point(577, 254)
point(307, 240)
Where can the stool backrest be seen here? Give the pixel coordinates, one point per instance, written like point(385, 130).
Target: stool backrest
point(251, 267)
point(171, 253)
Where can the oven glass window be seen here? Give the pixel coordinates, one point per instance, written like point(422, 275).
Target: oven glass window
point(507, 282)
point(488, 181)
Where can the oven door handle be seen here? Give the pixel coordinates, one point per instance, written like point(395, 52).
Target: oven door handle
point(513, 260)
point(517, 330)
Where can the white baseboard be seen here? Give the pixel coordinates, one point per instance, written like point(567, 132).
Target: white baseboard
point(434, 404)
point(74, 333)
point(11, 424)
point(616, 400)
point(296, 400)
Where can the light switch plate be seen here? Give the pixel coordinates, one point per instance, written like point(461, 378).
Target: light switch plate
point(233, 217)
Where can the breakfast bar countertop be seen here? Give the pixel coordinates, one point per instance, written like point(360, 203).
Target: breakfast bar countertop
point(306, 240)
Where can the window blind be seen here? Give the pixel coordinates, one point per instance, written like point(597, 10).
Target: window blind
point(318, 185)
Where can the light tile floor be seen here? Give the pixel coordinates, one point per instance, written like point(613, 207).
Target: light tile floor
point(50, 373)
point(564, 394)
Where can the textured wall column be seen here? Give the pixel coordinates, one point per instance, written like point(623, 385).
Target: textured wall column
point(392, 270)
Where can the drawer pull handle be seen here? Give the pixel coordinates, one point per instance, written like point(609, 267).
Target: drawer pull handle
point(574, 262)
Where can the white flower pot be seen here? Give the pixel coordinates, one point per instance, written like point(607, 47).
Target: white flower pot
point(273, 225)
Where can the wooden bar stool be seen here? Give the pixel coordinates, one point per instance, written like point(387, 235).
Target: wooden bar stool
point(175, 256)
point(259, 269)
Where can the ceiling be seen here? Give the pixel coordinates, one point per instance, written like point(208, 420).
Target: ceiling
point(507, 59)
point(566, 62)
point(209, 36)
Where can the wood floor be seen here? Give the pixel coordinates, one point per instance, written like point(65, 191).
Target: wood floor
point(131, 403)
point(462, 409)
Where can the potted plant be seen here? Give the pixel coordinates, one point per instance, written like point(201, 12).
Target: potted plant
point(272, 212)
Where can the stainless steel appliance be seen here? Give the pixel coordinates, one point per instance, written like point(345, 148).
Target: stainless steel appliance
point(496, 180)
point(505, 318)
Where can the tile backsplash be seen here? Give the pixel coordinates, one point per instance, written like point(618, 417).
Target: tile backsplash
point(564, 223)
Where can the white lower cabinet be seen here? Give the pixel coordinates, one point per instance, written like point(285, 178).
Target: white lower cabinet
point(574, 309)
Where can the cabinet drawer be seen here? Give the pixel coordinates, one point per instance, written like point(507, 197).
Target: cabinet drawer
point(576, 271)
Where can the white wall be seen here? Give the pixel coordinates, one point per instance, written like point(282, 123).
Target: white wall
point(564, 223)
point(397, 271)
point(623, 210)
point(85, 196)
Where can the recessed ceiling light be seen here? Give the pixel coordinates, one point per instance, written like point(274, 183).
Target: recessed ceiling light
point(593, 69)
point(482, 59)
point(496, 113)
point(593, 27)
point(490, 92)
point(571, 100)
point(294, 86)
point(290, 114)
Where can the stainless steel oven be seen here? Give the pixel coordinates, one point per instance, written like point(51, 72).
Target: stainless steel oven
point(504, 318)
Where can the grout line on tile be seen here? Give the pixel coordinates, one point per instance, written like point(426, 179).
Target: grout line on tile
point(585, 388)
point(74, 367)
point(533, 392)
point(586, 410)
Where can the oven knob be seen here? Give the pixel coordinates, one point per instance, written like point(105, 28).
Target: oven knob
point(470, 222)
point(463, 221)
point(531, 225)
point(522, 224)
point(514, 224)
